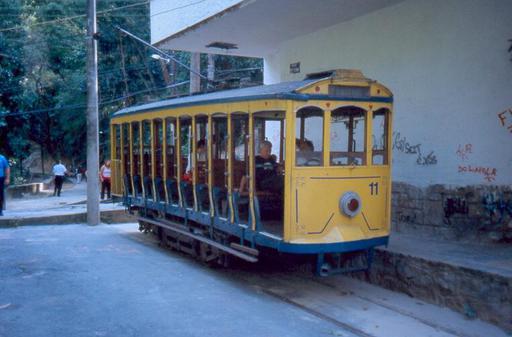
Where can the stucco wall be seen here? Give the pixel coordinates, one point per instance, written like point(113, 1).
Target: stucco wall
point(447, 63)
point(171, 16)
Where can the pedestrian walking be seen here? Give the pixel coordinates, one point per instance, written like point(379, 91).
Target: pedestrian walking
point(105, 176)
point(5, 177)
point(59, 171)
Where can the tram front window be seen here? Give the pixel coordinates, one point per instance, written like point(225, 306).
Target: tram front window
point(269, 169)
point(309, 137)
point(380, 137)
point(348, 136)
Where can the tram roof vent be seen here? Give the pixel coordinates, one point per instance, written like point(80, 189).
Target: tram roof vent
point(339, 74)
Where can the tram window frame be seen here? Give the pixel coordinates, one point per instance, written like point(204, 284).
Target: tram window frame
point(382, 151)
point(171, 160)
point(147, 153)
point(136, 147)
point(240, 163)
point(220, 163)
point(220, 148)
point(127, 162)
point(348, 156)
point(158, 142)
point(201, 157)
point(186, 161)
point(170, 148)
point(305, 140)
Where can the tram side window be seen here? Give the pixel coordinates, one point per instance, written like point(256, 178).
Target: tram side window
point(380, 137)
point(158, 140)
point(136, 157)
point(348, 136)
point(146, 159)
point(240, 154)
point(201, 159)
point(186, 160)
point(220, 164)
point(309, 137)
point(269, 149)
point(202, 149)
point(171, 148)
point(116, 163)
point(172, 160)
point(126, 158)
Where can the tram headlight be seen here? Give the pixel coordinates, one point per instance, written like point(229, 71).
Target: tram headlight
point(350, 204)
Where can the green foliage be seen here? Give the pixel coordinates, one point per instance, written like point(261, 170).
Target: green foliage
point(43, 69)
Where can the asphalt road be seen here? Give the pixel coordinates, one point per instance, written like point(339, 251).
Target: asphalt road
point(76, 280)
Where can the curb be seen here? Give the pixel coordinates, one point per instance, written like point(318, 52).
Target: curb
point(108, 217)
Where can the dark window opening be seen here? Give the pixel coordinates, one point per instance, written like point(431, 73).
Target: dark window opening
point(269, 172)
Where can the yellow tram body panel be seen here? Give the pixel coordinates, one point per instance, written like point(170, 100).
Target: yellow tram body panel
point(312, 194)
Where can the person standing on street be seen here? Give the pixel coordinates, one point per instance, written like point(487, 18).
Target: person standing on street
point(105, 175)
point(5, 176)
point(59, 171)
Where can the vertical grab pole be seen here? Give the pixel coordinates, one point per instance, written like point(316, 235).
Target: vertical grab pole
point(251, 169)
point(141, 156)
point(164, 158)
point(132, 167)
point(230, 168)
point(153, 158)
point(178, 161)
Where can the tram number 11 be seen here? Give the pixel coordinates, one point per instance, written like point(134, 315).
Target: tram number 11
point(374, 188)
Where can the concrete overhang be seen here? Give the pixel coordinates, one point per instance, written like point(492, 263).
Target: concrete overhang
point(255, 27)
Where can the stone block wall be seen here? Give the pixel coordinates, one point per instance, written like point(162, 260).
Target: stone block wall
point(479, 212)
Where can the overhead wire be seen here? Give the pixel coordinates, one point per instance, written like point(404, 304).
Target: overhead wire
point(83, 106)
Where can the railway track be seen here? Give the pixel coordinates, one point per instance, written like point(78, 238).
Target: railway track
point(342, 301)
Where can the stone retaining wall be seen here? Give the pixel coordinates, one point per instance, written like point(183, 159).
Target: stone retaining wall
point(474, 293)
point(471, 212)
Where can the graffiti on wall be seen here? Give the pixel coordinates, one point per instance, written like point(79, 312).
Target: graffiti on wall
point(505, 118)
point(464, 152)
point(454, 206)
point(497, 207)
point(401, 144)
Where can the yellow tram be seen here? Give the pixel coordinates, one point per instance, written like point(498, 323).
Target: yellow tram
point(298, 167)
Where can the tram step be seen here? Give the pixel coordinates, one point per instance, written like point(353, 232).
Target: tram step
point(175, 227)
point(245, 249)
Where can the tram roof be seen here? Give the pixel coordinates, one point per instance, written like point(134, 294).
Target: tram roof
point(284, 90)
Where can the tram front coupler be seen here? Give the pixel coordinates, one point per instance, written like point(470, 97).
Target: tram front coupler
point(342, 263)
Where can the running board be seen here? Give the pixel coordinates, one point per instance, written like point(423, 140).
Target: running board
point(174, 227)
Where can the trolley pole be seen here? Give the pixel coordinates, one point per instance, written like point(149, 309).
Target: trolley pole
point(93, 194)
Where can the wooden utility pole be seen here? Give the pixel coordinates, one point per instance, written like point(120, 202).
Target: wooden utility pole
point(195, 69)
point(93, 193)
point(211, 67)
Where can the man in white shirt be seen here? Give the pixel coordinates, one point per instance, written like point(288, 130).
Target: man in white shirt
point(59, 171)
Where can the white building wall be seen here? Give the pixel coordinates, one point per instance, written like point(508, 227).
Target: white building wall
point(446, 62)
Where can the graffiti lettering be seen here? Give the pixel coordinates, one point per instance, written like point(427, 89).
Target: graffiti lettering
point(455, 206)
point(489, 173)
point(464, 151)
point(506, 123)
point(409, 218)
point(402, 145)
point(494, 205)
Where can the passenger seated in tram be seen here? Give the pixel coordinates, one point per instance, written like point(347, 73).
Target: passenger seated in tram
point(201, 160)
point(268, 177)
point(305, 154)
